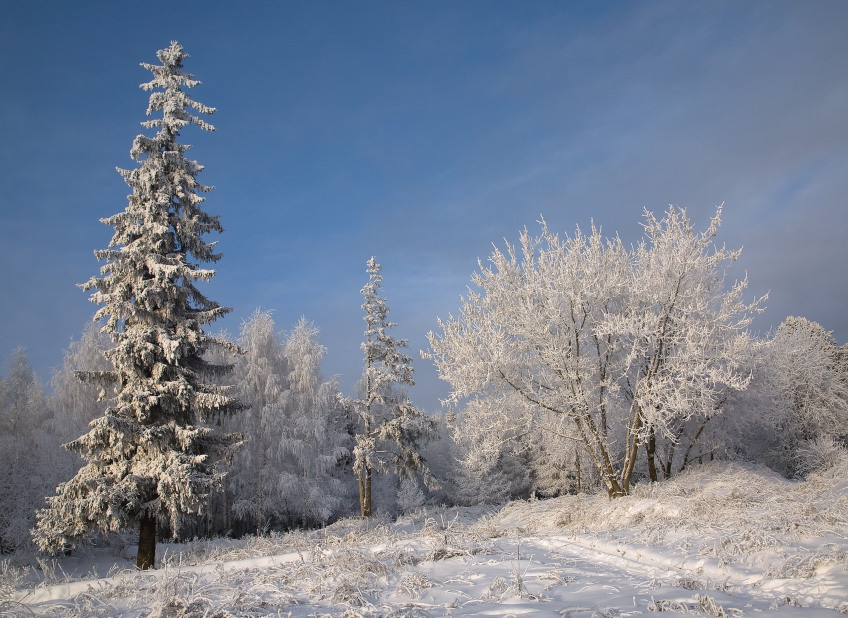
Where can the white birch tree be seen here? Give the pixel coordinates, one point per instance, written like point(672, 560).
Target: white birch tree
point(76, 402)
point(260, 384)
point(311, 443)
point(285, 474)
point(152, 455)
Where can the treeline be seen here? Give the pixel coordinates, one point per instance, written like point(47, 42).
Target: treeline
point(296, 468)
point(296, 464)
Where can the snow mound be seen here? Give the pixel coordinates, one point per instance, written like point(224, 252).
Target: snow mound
point(715, 495)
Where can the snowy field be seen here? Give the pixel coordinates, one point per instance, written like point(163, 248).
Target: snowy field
point(721, 540)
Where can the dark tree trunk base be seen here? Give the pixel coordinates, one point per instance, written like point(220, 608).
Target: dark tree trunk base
point(651, 450)
point(146, 557)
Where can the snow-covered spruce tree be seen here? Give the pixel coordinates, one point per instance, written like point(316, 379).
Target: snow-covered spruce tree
point(392, 428)
point(152, 455)
point(625, 345)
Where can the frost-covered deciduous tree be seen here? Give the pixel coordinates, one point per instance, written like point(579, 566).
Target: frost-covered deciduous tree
point(27, 444)
point(686, 338)
point(803, 390)
point(76, 402)
point(260, 383)
point(555, 458)
point(392, 428)
point(810, 374)
point(505, 448)
point(152, 455)
point(623, 344)
point(489, 451)
point(311, 444)
point(286, 473)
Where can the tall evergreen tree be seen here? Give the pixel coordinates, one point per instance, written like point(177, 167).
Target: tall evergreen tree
point(152, 456)
point(392, 428)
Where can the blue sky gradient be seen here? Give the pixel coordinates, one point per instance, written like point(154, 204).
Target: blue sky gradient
point(421, 133)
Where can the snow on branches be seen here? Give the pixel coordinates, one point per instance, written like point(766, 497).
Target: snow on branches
point(151, 456)
point(393, 430)
point(626, 344)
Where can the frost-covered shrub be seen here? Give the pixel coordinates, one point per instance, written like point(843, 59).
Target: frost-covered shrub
point(819, 455)
point(797, 405)
point(410, 497)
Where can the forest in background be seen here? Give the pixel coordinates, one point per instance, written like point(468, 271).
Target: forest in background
point(297, 468)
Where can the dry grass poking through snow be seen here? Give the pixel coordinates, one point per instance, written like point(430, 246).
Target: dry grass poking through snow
point(721, 540)
point(728, 509)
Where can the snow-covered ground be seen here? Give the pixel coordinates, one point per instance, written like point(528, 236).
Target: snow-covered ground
point(720, 540)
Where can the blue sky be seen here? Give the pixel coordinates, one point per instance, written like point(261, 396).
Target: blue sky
point(421, 133)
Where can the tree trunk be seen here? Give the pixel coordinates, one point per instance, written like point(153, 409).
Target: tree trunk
point(650, 451)
point(365, 472)
point(669, 462)
point(577, 468)
point(365, 492)
point(630, 458)
point(614, 488)
point(146, 557)
point(691, 444)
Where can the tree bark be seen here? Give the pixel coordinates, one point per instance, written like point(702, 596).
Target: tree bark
point(365, 472)
point(146, 556)
point(361, 478)
point(650, 451)
point(630, 458)
point(577, 468)
point(365, 492)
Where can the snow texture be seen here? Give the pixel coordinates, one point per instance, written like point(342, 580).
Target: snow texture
point(719, 540)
